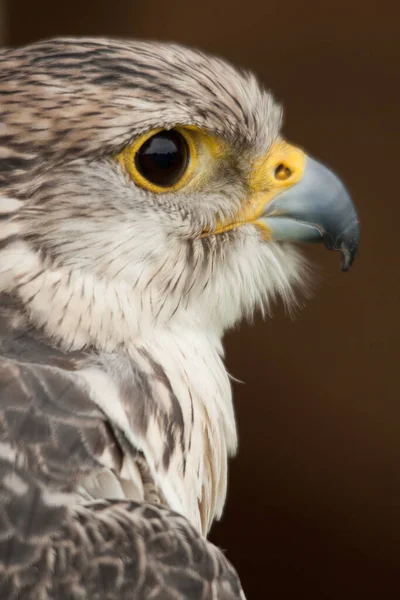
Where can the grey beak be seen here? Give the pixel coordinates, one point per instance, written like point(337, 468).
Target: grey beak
point(317, 209)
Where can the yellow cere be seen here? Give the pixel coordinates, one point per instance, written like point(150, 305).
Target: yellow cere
point(203, 149)
point(280, 169)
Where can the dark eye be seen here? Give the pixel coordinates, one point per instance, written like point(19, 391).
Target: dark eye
point(163, 158)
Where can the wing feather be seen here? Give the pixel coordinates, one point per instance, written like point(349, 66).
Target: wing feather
point(53, 543)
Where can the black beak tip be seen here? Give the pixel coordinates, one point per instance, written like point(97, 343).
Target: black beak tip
point(347, 248)
point(347, 259)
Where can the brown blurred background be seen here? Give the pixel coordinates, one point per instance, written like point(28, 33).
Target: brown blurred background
point(314, 500)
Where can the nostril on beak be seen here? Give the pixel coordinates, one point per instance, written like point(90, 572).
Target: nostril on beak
point(282, 172)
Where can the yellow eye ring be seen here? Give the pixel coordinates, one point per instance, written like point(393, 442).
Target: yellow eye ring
point(161, 160)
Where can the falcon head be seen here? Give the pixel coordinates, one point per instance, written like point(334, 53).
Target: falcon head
point(152, 186)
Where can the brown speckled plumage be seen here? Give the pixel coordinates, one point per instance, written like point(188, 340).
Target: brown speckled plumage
point(116, 419)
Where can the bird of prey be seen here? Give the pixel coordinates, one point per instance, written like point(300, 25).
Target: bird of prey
point(148, 202)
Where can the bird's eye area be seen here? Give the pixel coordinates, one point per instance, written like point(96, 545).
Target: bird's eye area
point(161, 160)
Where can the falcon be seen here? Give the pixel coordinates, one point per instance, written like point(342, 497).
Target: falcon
point(148, 203)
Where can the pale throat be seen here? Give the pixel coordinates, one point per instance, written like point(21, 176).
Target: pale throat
point(79, 311)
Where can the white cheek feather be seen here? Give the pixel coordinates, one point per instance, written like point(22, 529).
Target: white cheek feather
point(9, 205)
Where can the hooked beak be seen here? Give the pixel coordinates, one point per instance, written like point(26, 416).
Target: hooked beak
point(316, 209)
point(294, 198)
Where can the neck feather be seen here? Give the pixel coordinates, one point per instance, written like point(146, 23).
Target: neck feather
point(181, 363)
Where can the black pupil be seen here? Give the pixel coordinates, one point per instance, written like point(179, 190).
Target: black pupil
point(163, 158)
